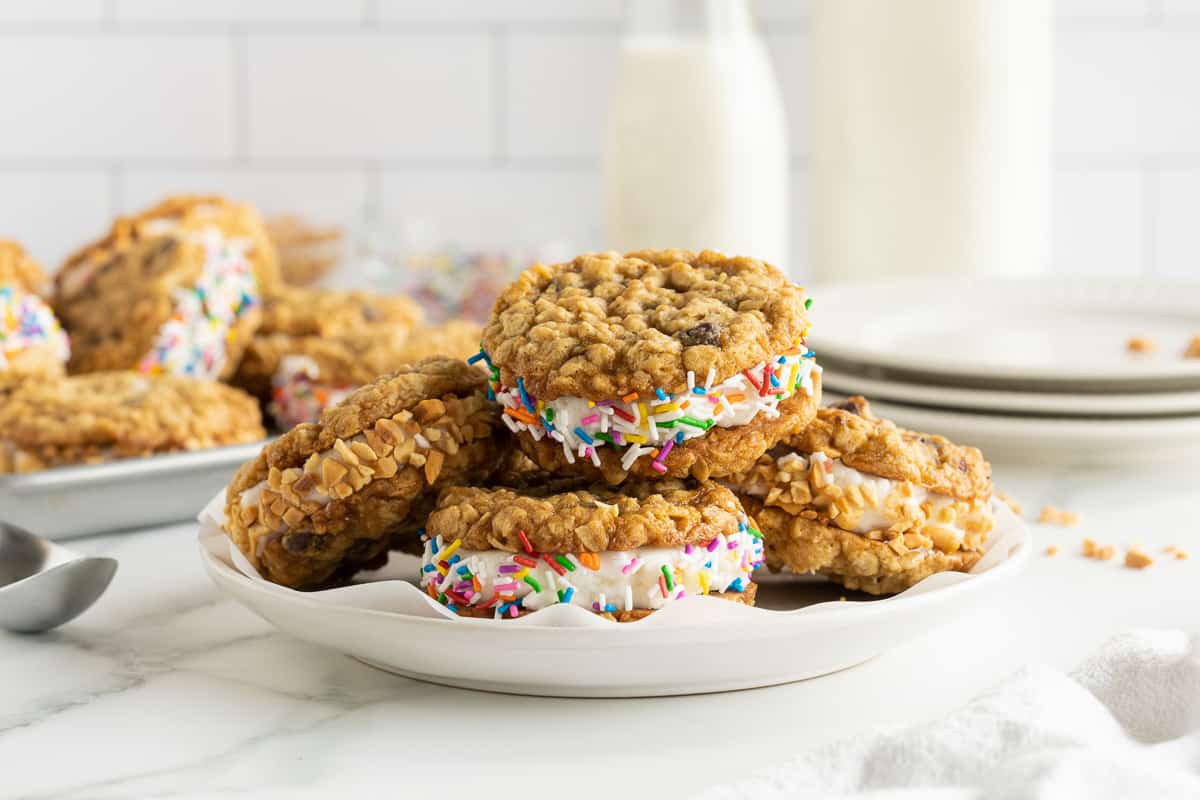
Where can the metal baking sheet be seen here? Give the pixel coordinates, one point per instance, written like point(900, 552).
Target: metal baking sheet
point(120, 495)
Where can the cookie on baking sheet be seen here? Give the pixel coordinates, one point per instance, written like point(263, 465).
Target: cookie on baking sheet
point(323, 501)
point(179, 303)
point(32, 342)
point(297, 376)
point(86, 419)
point(193, 215)
point(623, 553)
point(660, 362)
point(871, 505)
point(297, 311)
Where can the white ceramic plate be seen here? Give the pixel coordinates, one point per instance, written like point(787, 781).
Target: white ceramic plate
point(1059, 441)
point(1044, 332)
point(1107, 404)
point(699, 644)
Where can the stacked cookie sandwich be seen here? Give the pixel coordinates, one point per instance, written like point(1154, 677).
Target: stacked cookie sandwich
point(645, 376)
point(870, 505)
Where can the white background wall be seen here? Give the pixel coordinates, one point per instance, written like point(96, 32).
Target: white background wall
point(487, 115)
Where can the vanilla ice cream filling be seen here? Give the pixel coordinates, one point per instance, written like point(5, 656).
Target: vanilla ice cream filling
point(645, 578)
point(194, 340)
point(862, 503)
point(652, 425)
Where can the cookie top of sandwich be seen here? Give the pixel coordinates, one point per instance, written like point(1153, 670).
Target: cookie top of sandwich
point(606, 325)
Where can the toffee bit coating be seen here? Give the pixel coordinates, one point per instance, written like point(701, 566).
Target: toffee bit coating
point(876, 446)
point(873, 565)
point(605, 325)
point(324, 500)
point(641, 514)
point(105, 416)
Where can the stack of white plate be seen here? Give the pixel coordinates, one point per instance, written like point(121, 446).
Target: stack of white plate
point(1030, 371)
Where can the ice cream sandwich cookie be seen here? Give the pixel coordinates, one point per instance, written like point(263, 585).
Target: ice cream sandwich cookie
point(620, 552)
point(324, 500)
point(869, 504)
point(660, 363)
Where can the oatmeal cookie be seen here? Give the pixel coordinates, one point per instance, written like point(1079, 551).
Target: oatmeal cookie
point(621, 552)
point(297, 377)
point(869, 504)
point(176, 304)
point(104, 416)
point(193, 216)
point(322, 501)
point(296, 311)
point(654, 363)
point(32, 342)
point(804, 545)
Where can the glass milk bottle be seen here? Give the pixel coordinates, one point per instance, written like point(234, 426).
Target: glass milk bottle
point(697, 139)
point(931, 137)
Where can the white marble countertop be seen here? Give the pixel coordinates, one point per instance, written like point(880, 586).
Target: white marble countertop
point(166, 688)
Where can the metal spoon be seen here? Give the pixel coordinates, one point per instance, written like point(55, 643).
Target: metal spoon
point(43, 585)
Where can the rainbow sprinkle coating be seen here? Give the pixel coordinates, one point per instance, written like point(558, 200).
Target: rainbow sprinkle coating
point(193, 342)
point(26, 322)
point(296, 394)
point(653, 425)
point(646, 578)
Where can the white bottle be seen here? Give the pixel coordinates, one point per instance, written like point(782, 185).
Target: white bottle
point(697, 139)
point(931, 137)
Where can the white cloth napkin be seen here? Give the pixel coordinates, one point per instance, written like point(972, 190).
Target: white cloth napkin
point(1125, 724)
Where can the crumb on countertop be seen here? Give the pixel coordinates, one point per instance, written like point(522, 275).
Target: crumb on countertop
point(1101, 552)
point(1136, 559)
point(1057, 516)
point(1141, 344)
point(1052, 550)
point(1193, 348)
point(1011, 502)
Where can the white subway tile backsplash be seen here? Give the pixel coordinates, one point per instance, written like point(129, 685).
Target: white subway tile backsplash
point(489, 116)
point(1127, 93)
point(1177, 235)
point(88, 96)
point(558, 88)
point(288, 11)
point(51, 11)
point(499, 207)
point(369, 96)
point(333, 196)
point(1098, 222)
point(53, 213)
point(1180, 9)
point(499, 11)
point(1102, 9)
